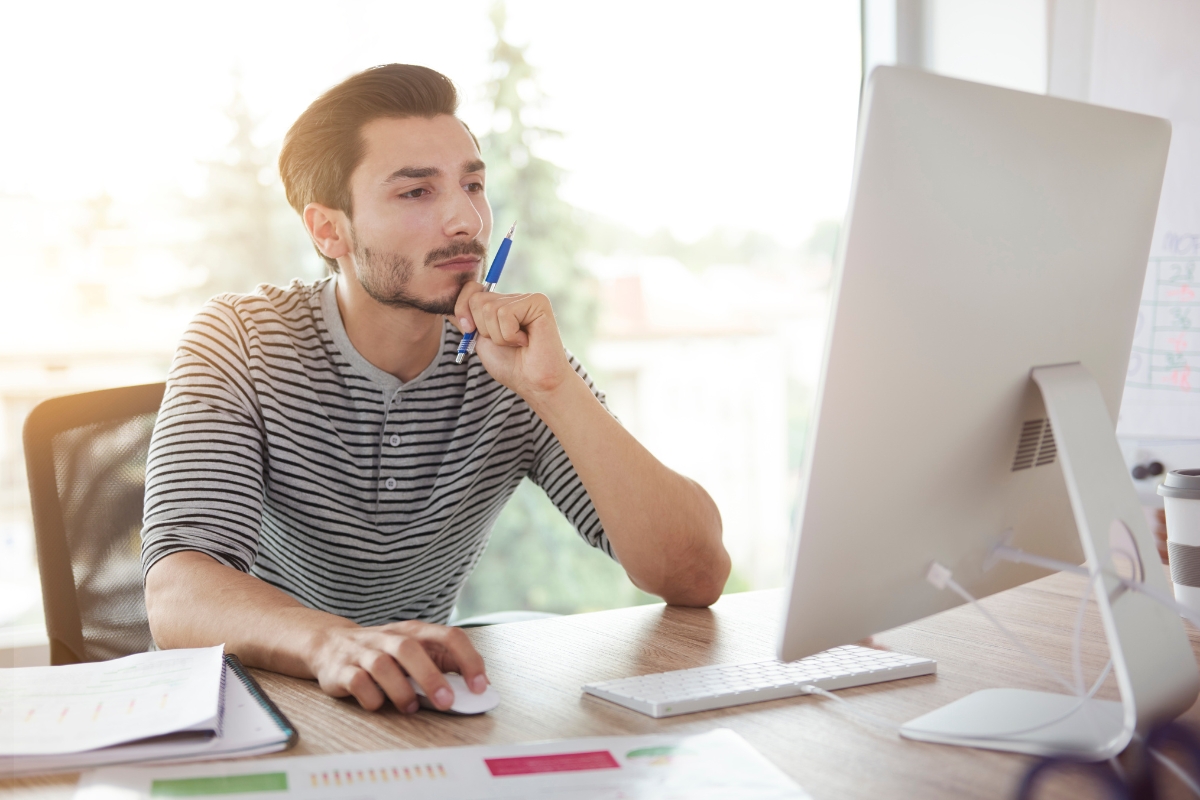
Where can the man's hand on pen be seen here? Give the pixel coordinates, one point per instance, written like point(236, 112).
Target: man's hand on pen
point(517, 339)
point(372, 663)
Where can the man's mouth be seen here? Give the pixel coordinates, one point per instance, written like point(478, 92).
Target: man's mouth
point(459, 264)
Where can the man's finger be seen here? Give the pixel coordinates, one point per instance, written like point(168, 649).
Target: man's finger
point(386, 673)
point(499, 317)
point(462, 307)
point(468, 315)
point(357, 682)
point(483, 314)
point(509, 317)
point(411, 655)
point(455, 653)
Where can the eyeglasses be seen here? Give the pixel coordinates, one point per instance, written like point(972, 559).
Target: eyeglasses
point(1163, 764)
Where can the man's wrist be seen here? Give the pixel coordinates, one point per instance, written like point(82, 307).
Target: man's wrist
point(552, 404)
point(314, 641)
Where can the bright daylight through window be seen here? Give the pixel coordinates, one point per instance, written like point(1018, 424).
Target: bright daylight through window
point(678, 173)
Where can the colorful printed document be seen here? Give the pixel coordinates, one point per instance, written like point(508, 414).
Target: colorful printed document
point(69, 709)
point(717, 764)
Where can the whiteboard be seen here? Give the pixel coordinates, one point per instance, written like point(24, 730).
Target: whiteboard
point(1145, 57)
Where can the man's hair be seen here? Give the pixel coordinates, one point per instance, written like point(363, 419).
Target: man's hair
point(325, 145)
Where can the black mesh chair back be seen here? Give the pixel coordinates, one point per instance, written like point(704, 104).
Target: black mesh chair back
point(86, 459)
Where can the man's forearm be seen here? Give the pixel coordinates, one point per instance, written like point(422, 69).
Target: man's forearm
point(664, 528)
point(193, 601)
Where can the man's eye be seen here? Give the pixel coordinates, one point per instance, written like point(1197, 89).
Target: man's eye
point(474, 187)
point(415, 193)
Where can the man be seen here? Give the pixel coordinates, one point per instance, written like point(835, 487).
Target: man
point(323, 476)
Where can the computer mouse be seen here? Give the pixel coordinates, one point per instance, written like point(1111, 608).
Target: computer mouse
point(465, 702)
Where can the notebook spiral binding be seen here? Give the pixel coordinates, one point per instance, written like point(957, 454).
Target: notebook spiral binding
point(263, 699)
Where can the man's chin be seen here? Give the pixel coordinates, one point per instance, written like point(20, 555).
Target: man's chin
point(430, 305)
point(441, 307)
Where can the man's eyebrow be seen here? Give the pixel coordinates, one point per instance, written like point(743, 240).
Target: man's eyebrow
point(413, 172)
point(474, 166)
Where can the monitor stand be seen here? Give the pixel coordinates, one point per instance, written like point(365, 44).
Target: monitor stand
point(1152, 657)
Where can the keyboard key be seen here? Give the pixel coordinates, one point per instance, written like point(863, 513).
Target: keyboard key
point(720, 686)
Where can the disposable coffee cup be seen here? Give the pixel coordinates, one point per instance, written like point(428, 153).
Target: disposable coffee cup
point(1181, 501)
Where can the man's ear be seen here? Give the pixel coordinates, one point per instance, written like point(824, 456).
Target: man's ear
point(329, 229)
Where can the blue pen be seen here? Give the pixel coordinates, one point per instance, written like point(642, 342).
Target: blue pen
point(467, 345)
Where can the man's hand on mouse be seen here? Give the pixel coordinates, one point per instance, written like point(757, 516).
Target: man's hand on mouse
point(517, 339)
point(372, 664)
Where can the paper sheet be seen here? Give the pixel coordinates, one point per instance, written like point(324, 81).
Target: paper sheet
point(247, 728)
point(1145, 59)
point(78, 707)
point(717, 764)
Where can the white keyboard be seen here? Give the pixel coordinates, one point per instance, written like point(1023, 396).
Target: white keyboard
point(685, 691)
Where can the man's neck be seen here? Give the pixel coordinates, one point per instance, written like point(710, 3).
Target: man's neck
point(400, 341)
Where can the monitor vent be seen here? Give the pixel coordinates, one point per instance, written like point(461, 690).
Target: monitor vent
point(1047, 450)
point(1035, 448)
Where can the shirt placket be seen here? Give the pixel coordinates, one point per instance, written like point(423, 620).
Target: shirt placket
point(390, 443)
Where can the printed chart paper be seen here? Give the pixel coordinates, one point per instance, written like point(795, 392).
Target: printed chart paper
point(1145, 59)
point(248, 727)
point(77, 707)
point(717, 764)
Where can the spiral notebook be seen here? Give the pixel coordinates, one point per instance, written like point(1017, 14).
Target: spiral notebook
point(248, 724)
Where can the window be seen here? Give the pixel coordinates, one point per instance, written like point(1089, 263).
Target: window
point(699, 170)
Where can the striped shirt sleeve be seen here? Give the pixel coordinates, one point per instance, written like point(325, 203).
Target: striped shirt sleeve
point(204, 470)
point(552, 470)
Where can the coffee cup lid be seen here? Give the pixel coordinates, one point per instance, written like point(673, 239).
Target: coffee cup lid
point(1182, 483)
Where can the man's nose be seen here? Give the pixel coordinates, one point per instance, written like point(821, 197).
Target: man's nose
point(461, 217)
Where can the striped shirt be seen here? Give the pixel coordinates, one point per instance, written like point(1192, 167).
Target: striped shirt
point(280, 451)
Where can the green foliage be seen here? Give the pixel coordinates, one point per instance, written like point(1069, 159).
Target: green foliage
point(721, 247)
point(824, 239)
point(523, 188)
point(535, 560)
point(248, 233)
point(736, 583)
point(799, 412)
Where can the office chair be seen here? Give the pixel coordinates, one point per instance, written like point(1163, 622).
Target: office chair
point(86, 459)
point(85, 455)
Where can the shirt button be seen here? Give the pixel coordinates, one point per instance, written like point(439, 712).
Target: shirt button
point(394, 441)
point(390, 483)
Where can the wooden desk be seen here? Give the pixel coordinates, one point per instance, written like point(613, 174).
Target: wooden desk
point(538, 668)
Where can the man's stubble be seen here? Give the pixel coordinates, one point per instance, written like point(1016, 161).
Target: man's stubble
point(385, 277)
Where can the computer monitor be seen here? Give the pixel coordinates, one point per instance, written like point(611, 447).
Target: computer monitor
point(990, 233)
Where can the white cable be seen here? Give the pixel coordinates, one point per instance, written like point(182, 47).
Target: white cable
point(1165, 599)
point(887, 723)
point(864, 715)
point(1077, 637)
point(1009, 553)
point(1017, 556)
point(1075, 709)
point(1177, 771)
point(942, 578)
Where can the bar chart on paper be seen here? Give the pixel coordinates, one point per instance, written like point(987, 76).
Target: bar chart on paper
point(81, 707)
point(1166, 351)
point(718, 763)
point(395, 774)
point(1162, 387)
point(1140, 54)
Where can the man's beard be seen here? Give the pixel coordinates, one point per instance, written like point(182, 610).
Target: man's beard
point(385, 276)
